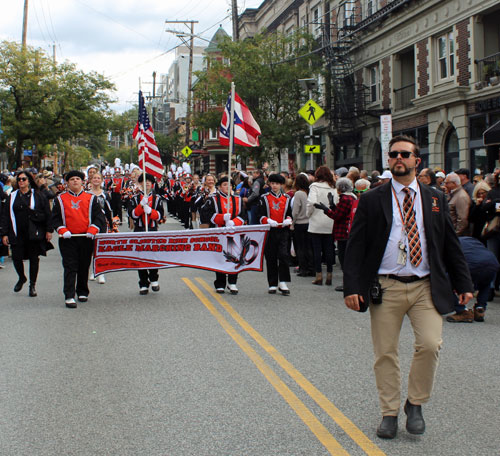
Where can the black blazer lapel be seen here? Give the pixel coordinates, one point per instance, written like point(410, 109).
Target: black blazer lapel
point(427, 210)
point(386, 201)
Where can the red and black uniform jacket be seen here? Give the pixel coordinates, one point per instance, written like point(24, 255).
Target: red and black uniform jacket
point(216, 206)
point(275, 206)
point(78, 213)
point(136, 211)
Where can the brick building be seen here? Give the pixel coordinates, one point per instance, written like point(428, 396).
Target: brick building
point(434, 65)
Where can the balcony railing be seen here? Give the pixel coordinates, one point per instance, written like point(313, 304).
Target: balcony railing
point(489, 67)
point(403, 96)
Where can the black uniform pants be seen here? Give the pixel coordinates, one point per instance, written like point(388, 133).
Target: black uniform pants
point(76, 255)
point(116, 205)
point(18, 253)
point(277, 254)
point(146, 276)
point(220, 279)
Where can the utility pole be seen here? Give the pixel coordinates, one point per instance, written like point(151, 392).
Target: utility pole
point(25, 23)
point(153, 107)
point(234, 10)
point(190, 71)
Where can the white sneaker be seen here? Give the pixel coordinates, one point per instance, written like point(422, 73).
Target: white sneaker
point(272, 290)
point(144, 290)
point(71, 303)
point(283, 288)
point(101, 279)
point(155, 286)
point(91, 276)
point(232, 288)
point(219, 290)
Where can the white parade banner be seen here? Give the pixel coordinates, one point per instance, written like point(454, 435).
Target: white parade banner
point(385, 138)
point(228, 250)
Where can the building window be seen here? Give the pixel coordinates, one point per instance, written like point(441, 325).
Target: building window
point(316, 21)
point(370, 7)
point(446, 56)
point(212, 134)
point(374, 83)
point(451, 150)
point(349, 20)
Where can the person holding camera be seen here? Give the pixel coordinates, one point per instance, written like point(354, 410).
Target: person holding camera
point(412, 261)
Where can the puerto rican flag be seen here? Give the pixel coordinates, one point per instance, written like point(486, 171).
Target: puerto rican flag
point(246, 129)
point(149, 155)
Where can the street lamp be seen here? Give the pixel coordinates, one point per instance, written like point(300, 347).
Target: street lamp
point(309, 84)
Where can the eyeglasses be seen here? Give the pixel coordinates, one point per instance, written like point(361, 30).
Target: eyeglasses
point(403, 153)
point(22, 179)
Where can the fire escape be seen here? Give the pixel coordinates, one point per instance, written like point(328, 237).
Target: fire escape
point(348, 96)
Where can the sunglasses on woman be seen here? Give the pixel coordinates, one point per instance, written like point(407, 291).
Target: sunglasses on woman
point(403, 153)
point(22, 179)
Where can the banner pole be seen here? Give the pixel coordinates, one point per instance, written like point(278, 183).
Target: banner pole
point(231, 145)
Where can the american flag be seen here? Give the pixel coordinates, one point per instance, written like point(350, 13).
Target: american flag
point(145, 136)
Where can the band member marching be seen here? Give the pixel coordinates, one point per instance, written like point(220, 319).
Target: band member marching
point(103, 198)
point(76, 212)
point(142, 208)
point(216, 213)
point(275, 210)
point(116, 185)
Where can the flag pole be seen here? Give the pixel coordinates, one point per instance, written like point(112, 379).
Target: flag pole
point(231, 145)
point(144, 150)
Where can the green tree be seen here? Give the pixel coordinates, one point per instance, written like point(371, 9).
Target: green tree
point(45, 102)
point(168, 145)
point(265, 70)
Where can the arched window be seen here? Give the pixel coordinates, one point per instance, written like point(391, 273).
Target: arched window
point(451, 151)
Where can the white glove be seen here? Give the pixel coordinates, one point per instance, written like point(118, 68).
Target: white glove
point(147, 210)
point(272, 222)
point(227, 217)
point(229, 223)
point(67, 235)
point(287, 222)
point(90, 235)
point(144, 201)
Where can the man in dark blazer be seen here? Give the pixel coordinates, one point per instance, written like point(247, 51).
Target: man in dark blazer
point(404, 258)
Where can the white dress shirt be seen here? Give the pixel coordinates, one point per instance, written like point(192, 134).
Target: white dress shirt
point(389, 263)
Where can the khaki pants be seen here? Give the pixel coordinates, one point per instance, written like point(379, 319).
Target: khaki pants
point(415, 300)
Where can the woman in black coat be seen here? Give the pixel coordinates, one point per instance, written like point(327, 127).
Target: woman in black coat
point(25, 225)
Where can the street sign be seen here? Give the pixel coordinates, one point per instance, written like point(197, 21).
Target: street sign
point(312, 149)
point(311, 112)
point(186, 151)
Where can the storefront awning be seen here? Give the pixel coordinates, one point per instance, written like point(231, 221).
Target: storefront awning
point(491, 136)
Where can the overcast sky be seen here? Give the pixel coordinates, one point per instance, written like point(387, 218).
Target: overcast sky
point(124, 39)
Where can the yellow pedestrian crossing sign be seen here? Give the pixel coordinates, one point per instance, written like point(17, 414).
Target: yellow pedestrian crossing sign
point(312, 149)
point(311, 112)
point(186, 151)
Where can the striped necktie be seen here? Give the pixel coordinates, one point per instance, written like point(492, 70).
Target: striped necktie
point(411, 229)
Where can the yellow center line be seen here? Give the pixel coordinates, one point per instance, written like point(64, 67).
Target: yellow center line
point(320, 431)
point(345, 423)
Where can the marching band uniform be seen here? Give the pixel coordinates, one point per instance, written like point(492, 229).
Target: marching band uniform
point(274, 209)
point(141, 206)
point(116, 185)
point(215, 212)
point(74, 213)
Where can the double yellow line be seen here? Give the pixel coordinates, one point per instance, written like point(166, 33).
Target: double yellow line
point(320, 431)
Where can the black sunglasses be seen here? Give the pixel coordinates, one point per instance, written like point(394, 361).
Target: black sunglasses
point(403, 153)
point(22, 179)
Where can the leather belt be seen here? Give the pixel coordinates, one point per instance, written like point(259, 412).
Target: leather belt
point(404, 279)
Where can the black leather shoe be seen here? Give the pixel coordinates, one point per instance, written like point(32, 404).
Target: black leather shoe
point(415, 423)
point(32, 291)
point(388, 427)
point(19, 285)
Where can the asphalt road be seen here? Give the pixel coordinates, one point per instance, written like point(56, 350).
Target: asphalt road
point(187, 372)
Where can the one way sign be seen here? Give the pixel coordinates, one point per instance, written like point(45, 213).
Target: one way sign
point(312, 149)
